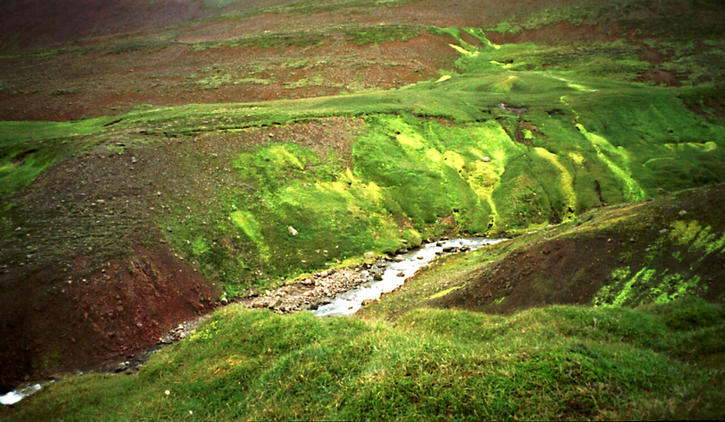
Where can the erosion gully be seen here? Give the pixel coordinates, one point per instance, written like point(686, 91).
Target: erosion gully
point(326, 294)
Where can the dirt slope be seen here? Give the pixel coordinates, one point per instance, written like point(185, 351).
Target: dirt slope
point(51, 326)
point(625, 255)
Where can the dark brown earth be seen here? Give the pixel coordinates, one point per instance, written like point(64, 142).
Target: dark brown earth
point(82, 323)
point(572, 267)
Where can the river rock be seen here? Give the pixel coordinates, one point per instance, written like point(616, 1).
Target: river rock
point(366, 302)
point(401, 274)
point(369, 255)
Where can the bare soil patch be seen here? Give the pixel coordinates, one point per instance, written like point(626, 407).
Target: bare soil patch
point(571, 269)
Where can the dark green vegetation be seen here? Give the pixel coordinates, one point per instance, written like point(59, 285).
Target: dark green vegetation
point(549, 123)
point(559, 362)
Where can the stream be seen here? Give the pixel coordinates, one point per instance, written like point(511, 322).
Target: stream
point(391, 274)
point(397, 272)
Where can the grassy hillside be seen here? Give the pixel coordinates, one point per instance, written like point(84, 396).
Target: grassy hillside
point(558, 362)
point(630, 255)
point(148, 172)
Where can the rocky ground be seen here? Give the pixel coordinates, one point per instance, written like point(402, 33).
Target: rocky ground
point(319, 289)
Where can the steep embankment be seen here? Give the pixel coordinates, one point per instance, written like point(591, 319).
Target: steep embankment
point(671, 248)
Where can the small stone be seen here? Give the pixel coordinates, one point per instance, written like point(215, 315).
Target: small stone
point(486, 159)
point(682, 212)
point(420, 257)
point(401, 274)
point(292, 231)
point(122, 366)
point(369, 255)
point(167, 392)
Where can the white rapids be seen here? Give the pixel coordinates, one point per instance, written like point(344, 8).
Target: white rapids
point(395, 275)
point(19, 394)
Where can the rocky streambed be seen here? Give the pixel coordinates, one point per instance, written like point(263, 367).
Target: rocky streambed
point(344, 291)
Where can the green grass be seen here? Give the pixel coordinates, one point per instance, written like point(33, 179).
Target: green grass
point(576, 135)
point(380, 33)
point(277, 40)
point(551, 363)
point(27, 149)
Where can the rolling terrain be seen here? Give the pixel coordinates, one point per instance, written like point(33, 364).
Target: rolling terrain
point(154, 168)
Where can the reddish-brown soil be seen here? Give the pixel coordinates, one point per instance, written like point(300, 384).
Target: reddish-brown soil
point(98, 73)
point(558, 32)
point(87, 272)
point(50, 325)
point(26, 23)
point(571, 269)
point(68, 86)
point(661, 77)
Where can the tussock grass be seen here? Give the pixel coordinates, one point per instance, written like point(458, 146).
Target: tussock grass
point(557, 362)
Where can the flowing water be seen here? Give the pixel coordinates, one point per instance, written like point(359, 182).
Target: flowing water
point(396, 274)
point(19, 394)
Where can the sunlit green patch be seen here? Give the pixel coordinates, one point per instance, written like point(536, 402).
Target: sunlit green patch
point(585, 362)
point(647, 286)
point(377, 34)
point(27, 149)
point(696, 238)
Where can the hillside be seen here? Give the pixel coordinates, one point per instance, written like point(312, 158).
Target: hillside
point(154, 168)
